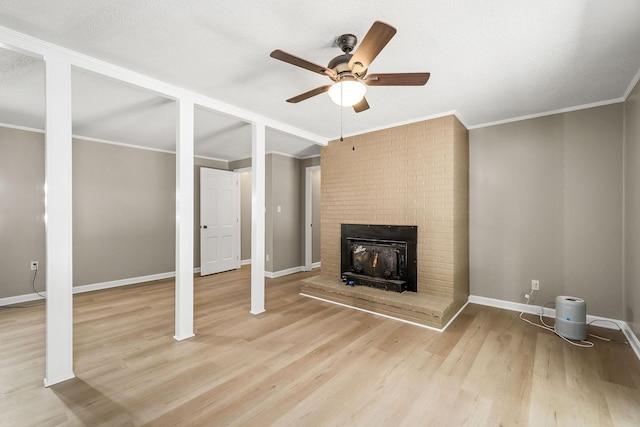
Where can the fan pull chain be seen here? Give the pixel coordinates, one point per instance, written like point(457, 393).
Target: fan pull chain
point(341, 108)
point(353, 147)
point(341, 139)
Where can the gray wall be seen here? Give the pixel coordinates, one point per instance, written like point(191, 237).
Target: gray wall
point(275, 189)
point(632, 211)
point(123, 212)
point(240, 164)
point(283, 228)
point(245, 214)
point(268, 216)
point(546, 203)
point(21, 211)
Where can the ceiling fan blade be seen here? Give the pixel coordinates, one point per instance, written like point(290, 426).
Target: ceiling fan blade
point(397, 79)
point(361, 106)
point(299, 62)
point(309, 94)
point(373, 42)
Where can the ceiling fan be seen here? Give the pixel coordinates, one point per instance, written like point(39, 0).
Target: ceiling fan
point(349, 70)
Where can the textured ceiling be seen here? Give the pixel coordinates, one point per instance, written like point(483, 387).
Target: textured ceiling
point(489, 61)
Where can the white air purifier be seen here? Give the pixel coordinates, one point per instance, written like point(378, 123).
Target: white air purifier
point(571, 317)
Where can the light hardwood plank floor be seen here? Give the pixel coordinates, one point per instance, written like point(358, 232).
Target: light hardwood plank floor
point(305, 363)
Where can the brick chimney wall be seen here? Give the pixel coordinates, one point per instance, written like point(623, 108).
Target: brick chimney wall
point(415, 174)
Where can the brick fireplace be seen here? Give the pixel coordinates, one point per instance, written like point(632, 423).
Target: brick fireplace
point(415, 174)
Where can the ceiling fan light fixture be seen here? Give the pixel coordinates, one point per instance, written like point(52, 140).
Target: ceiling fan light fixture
point(347, 93)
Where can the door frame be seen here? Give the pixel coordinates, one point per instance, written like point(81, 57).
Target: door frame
point(240, 171)
point(308, 212)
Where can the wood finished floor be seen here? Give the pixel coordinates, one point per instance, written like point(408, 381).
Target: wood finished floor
point(305, 363)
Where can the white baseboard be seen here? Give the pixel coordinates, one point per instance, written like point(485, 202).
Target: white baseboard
point(131, 281)
point(22, 298)
point(276, 274)
point(94, 287)
point(508, 305)
point(605, 322)
point(534, 309)
point(245, 261)
point(123, 282)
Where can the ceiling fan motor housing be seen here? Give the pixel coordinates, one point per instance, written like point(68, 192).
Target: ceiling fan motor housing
point(347, 42)
point(340, 64)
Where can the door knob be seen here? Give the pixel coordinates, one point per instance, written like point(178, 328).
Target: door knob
point(204, 226)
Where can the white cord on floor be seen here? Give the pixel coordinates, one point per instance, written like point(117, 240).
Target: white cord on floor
point(550, 328)
point(607, 339)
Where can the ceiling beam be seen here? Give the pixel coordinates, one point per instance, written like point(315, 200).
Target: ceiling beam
point(39, 48)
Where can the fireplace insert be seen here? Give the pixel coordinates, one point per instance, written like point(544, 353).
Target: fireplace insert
point(380, 256)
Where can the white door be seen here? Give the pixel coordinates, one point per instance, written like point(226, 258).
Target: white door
point(219, 221)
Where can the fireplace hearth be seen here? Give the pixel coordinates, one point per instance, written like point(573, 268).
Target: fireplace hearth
point(380, 256)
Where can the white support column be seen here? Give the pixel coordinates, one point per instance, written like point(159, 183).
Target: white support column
point(257, 216)
point(58, 223)
point(184, 220)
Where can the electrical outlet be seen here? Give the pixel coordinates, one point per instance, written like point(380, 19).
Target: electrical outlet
point(34, 265)
point(267, 257)
point(535, 285)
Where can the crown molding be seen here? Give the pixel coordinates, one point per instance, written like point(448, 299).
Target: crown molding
point(548, 113)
